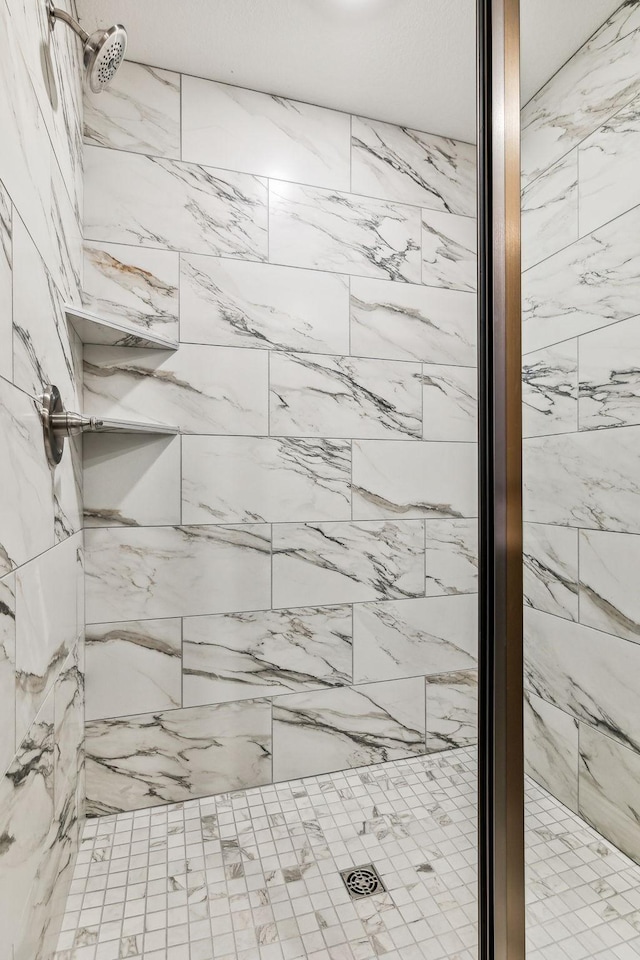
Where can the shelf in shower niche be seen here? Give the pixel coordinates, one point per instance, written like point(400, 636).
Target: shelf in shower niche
point(114, 333)
point(108, 425)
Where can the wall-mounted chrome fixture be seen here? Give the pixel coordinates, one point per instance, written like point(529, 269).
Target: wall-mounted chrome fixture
point(59, 423)
point(104, 50)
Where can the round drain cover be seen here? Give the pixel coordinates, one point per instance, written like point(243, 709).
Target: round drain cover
point(362, 881)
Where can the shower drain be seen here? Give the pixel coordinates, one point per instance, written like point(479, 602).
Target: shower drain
point(362, 881)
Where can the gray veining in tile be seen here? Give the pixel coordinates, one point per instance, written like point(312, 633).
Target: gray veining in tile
point(7, 670)
point(452, 710)
point(448, 251)
point(550, 211)
point(550, 390)
point(551, 749)
point(608, 578)
point(6, 262)
point(450, 402)
point(451, 557)
point(609, 389)
point(550, 556)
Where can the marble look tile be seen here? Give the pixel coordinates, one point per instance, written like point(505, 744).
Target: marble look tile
point(589, 284)
point(153, 202)
point(7, 670)
point(451, 557)
point(450, 402)
point(135, 574)
point(130, 480)
point(448, 251)
point(225, 126)
point(609, 389)
point(6, 262)
point(550, 390)
point(347, 562)
point(344, 397)
point(133, 666)
point(337, 729)
point(244, 304)
point(608, 789)
point(567, 664)
point(550, 556)
point(452, 710)
point(196, 752)
point(241, 656)
point(140, 112)
point(587, 479)
point(583, 93)
point(199, 389)
point(408, 638)
point(413, 167)
point(324, 230)
point(551, 749)
point(65, 258)
point(414, 480)
point(236, 479)
point(68, 703)
point(608, 595)
point(403, 321)
point(132, 284)
point(550, 211)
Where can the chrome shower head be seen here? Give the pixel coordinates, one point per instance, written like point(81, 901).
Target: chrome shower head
point(104, 50)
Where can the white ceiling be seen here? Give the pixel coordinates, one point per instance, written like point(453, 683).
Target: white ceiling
point(406, 61)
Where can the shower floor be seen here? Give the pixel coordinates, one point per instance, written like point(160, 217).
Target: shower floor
point(254, 875)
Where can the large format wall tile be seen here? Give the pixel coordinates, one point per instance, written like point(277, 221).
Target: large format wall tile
point(155, 202)
point(196, 752)
point(225, 126)
point(241, 656)
point(347, 562)
point(140, 112)
point(235, 479)
point(551, 749)
point(133, 666)
point(403, 321)
point(608, 582)
point(414, 479)
point(243, 304)
point(449, 246)
point(450, 401)
point(344, 397)
point(309, 227)
point(452, 710)
point(337, 729)
point(550, 211)
point(7, 670)
point(413, 167)
point(451, 556)
point(610, 376)
point(408, 638)
point(6, 260)
point(550, 556)
point(199, 389)
point(135, 574)
point(550, 390)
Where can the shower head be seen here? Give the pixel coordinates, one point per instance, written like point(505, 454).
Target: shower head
point(104, 50)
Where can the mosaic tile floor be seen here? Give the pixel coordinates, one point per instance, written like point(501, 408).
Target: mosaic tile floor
point(255, 875)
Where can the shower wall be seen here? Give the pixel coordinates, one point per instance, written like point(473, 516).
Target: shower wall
point(581, 290)
point(41, 616)
point(267, 593)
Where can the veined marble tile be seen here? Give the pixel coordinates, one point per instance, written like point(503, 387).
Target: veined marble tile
point(588, 479)
point(583, 93)
point(244, 304)
point(608, 789)
point(46, 625)
point(140, 112)
point(550, 556)
point(586, 674)
point(403, 321)
point(550, 211)
point(238, 129)
point(313, 395)
point(132, 284)
point(319, 563)
point(451, 557)
point(590, 284)
point(240, 656)
point(327, 230)
point(449, 251)
point(551, 749)
point(336, 729)
point(6, 263)
point(142, 761)
point(135, 574)
point(154, 202)
point(608, 574)
point(452, 710)
point(450, 402)
point(409, 479)
point(235, 479)
point(413, 167)
point(7, 670)
point(130, 480)
point(199, 389)
point(408, 638)
point(68, 703)
point(550, 390)
point(133, 666)
point(609, 389)
point(64, 259)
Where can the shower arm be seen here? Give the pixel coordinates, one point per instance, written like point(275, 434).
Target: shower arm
point(55, 13)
